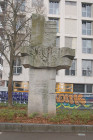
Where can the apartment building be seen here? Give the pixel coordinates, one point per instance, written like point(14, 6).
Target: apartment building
point(75, 29)
point(74, 20)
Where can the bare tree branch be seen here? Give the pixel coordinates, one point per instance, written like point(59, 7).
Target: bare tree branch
point(5, 56)
point(16, 32)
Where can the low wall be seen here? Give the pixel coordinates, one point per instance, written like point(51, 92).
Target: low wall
point(63, 100)
point(74, 101)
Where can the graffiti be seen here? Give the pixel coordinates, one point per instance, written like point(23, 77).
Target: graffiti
point(17, 97)
point(73, 106)
point(71, 99)
point(64, 100)
point(74, 101)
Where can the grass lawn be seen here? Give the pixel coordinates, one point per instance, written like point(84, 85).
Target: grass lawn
point(18, 114)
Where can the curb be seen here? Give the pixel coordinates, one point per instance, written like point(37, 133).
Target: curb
point(21, 127)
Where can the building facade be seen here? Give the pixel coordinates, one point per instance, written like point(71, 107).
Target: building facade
point(74, 20)
point(75, 29)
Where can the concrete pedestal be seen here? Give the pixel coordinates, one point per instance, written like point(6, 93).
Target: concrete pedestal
point(42, 98)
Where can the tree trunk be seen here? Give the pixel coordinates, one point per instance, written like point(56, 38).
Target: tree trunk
point(10, 83)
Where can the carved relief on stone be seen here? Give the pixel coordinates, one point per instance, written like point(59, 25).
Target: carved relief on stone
point(43, 52)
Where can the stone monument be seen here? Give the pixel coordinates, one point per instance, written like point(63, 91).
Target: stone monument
point(43, 59)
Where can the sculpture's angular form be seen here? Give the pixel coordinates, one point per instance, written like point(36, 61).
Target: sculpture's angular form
point(44, 58)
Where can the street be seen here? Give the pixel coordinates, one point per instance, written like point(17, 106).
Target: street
point(45, 136)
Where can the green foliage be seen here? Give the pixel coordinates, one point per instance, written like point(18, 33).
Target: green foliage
point(54, 119)
point(20, 105)
point(7, 114)
point(10, 113)
point(15, 105)
point(72, 116)
point(33, 115)
point(21, 113)
point(60, 116)
point(85, 116)
point(3, 104)
point(45, 115)
point(82, 116)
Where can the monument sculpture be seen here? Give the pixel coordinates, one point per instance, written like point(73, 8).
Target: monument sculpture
point(43, 59)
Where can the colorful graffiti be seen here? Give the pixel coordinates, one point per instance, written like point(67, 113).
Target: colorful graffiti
point(77, 101)
point(63, 100)
point(71, 99)
point(17, 97)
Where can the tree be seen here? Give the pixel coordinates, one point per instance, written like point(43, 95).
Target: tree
point(15, 34)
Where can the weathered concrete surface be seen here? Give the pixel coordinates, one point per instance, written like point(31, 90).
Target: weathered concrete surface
point(43, 59)
point(50, 57)
point(21, 127)
point(43, 53)
point(41, 91)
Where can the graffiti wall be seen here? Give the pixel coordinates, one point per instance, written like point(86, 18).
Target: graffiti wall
point(63, 100)
point(17, 97)
point(74, 101)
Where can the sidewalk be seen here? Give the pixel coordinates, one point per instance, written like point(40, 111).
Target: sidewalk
point(22, 127)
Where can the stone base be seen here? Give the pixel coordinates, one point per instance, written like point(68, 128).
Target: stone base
point(42, 98)
point(42, 104)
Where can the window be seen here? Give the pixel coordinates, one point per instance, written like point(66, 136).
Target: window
point(22, 7)
point(57, 41)
point(20, 86)
point(37, 1)
point(17, 69)
point(88, 88)
point(79, 88)
point(53, 7)
point(86, 46)
point(17, 84)
point(86, 28)
point(20, 4)
point(86, 10)
point(19, 23)
point(82, 88)
point(70, 3)
point(57, 23)
point(71, 71)
point(86, 68)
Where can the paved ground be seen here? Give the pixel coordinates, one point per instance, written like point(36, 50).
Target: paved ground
point(45, 136)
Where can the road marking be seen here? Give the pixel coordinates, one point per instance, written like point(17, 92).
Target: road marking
point(81, 134)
